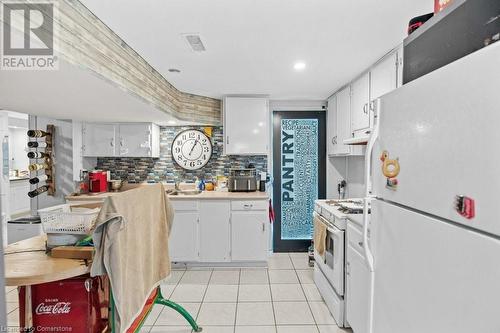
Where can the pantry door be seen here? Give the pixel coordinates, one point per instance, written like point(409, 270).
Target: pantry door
point(299, 163)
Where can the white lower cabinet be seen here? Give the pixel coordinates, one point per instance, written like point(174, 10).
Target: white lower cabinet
point(183, 240)
point(18, 196)
point(357, 291)
point(214, 231)
point(249, 235)
point(217, 231)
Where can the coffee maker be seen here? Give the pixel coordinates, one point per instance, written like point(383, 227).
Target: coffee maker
point(98, 181)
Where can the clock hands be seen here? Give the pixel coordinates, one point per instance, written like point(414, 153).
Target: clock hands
point(193, 147)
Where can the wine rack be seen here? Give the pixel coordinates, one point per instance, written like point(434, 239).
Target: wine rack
point(42, 158)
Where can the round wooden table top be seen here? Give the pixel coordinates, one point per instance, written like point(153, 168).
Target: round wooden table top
point(26, 264)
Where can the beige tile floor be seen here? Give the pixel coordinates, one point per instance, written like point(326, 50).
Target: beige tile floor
point(279, 299)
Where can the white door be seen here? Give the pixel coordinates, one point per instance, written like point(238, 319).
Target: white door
point(214, 230)
point(331, 125)
point(99, 140)
point(135, 140)
point(360, 108)
point(343, 121)
point(183, 241)
point(432, 275)
point(249, 235)
point(246, 126)
point(357, 291)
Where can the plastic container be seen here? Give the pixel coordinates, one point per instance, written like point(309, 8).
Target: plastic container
point(76, 219)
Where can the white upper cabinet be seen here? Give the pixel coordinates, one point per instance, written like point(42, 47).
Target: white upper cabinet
point(384, 77)
point(360, 106)
point(138, 140)
point(99, 140)
point(339, 124)
point(246, 126)
point(121, 140)
point(332, 125)
point(399, 65)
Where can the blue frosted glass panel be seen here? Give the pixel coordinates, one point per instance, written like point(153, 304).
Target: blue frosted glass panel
point(299, 177)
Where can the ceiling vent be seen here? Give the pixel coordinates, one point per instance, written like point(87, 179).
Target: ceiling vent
point(195, 42)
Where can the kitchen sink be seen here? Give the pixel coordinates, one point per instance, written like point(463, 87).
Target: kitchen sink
point(185, 192)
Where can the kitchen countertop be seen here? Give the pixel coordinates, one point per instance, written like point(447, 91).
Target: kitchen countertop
point(220, 195)
point(13, 179)
point(205, 195)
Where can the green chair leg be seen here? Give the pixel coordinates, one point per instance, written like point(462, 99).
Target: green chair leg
point(181, 310)
point(158, 300)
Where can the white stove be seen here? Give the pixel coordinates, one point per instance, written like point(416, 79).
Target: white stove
point(329, 271)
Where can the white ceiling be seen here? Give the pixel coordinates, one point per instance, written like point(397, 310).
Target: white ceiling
point(253, 44)
point(54, 94)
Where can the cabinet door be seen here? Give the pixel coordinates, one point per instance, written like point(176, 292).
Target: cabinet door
point(357, 289)
point(214, 231)
point(343, 121)
point(360, 97)
point(246, 126)
point(98, 140)
point(134, 140)
point(249, 235)
point(400, 66)
point(383, 77)
point(331, 128)
point(183, 239)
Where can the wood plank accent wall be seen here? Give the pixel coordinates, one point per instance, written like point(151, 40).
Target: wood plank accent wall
point(82, 39)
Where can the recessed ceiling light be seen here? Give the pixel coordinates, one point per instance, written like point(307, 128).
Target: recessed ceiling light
point(299, 66)
point(172, 122)
point(174, 70)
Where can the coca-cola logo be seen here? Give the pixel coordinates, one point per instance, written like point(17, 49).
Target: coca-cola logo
point(57, 308)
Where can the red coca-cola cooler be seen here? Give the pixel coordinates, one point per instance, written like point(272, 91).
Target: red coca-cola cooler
point(75, 305)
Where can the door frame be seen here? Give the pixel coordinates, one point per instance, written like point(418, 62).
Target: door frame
point(299, 245)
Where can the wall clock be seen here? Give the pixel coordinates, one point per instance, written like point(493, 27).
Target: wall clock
point(191, 149)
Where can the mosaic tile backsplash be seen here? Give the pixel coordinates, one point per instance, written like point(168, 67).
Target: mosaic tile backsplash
point(164, 169)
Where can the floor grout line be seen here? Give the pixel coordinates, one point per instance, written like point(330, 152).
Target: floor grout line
point(272, 301)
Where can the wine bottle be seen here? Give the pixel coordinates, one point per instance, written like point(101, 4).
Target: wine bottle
point(37, 144)
point(38, 191)
point(37, 154)
point(37, 133)
point(37, 166)
point(39, 179)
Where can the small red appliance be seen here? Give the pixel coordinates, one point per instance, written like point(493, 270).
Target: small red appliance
point(439, 5)
point(98, 181)
point(78, 304)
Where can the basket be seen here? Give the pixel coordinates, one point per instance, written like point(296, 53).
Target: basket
point(69, 218)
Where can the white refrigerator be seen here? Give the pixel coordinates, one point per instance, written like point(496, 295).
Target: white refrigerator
point(433, 235)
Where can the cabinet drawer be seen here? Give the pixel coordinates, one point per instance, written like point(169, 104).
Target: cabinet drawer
point(184, 205)
point(249, 205)
point(355, 237)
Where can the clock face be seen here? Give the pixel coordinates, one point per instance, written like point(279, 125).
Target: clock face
point(191, 149)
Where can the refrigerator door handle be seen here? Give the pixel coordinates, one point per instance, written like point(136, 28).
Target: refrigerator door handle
point(368, 197)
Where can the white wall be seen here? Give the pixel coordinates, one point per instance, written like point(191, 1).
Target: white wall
point(17, 148)
point(350, 169)
point(63, 160)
